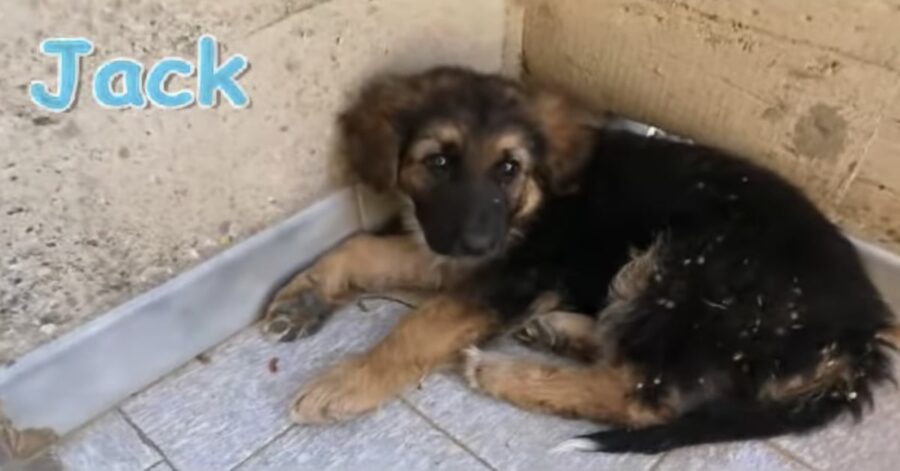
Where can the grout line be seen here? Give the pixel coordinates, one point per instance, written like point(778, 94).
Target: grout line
point(447, 434)
point(148, 468)
point(146, 440)
point(262, 447)
point(789, 455)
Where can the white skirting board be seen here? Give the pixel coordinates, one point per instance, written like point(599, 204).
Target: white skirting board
point(66, 383)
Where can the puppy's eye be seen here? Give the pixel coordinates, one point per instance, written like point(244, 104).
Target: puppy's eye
point(508, 168)
point(437, 161)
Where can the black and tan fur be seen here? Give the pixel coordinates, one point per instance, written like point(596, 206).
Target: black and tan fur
point(703, 298)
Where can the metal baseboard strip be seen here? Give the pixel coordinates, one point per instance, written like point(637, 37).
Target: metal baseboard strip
point(884, 267)
point(64, 384)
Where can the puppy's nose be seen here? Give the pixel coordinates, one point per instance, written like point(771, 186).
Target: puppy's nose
point(477, 243)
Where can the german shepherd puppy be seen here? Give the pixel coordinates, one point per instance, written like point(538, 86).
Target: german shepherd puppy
point(702, 298)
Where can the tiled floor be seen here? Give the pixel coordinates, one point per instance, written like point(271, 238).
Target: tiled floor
point(226, 411)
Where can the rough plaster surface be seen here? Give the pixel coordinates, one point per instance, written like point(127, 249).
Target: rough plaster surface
point(98, 205)
point(873, 199)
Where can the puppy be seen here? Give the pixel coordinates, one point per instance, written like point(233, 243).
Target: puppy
point(702, 298)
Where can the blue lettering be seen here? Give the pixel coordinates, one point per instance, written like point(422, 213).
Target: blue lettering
point(211, 78)
point(120, 83)
point(69, 64)
point(131, 72)
point(155, 86)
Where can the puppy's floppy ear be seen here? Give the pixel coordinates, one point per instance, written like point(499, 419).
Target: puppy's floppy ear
point(372, 131)
point(567, 139)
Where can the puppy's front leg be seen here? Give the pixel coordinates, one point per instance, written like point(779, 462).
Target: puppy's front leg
point(430, 336)
point(363, 263)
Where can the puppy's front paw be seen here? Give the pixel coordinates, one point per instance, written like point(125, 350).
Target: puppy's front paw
point(302, 315)
point(340, 394)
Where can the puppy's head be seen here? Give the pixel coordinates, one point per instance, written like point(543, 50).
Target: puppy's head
point(475, 153)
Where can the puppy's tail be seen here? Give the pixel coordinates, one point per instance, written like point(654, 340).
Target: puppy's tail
point(727, 420)
point(723, 421)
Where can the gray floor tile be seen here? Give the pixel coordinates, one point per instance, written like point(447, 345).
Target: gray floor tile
point(509, 438)
point(392, 438)
point(108, 443)
point(138, 342)
point(752, 456)
point(213, 416)
point(871, 445)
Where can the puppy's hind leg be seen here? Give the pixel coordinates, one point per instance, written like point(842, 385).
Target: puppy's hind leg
point(599, 393)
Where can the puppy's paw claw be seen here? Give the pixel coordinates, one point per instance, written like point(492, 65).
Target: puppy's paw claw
point(471, 364)
point(536, 333)
point(289, 319)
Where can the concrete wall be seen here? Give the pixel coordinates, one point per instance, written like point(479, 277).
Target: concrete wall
point(99, 205)
point(808, 87)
